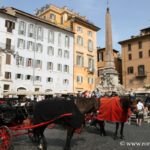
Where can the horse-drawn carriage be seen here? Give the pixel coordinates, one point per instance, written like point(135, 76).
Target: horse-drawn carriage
point(71, 113)
point(32, 117)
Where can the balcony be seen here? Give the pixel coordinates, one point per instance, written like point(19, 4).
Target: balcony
point(141, 75)
point(91, 70)
point(6, 48)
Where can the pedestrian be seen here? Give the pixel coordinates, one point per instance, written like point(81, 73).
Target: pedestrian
point(146, 110)
point(140, 112)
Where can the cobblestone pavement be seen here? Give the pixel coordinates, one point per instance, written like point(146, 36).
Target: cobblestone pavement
point(136, 138)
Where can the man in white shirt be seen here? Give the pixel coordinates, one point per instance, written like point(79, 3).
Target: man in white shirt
point(139, 115)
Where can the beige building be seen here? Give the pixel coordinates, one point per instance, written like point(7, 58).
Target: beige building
point(136, 61)
point(85, 51)
point(101, 63)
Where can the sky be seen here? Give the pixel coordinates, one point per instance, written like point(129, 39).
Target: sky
point(128, 16)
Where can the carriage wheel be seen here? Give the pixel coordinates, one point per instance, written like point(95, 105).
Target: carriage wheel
point(5, 138)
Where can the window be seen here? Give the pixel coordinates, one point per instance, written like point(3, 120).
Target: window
point(65, 17)
point(90, 33)
point(80, 60)
point(6, 87)
point(7, 75)
point(140, 44)
point(30, 46)
point(9, 25)
point(140, 54)
point(141, 70)
point(100, 56)
point(52, 16)
point(130, 70)
point(8, 44)
point(50, 50)
point(90, 64)
point(19, 61)
point(28, 77)
point(67, 41)
point(129, 57)
point(37, 78)
point(49, 66)
point(59, 39)
point(29, 62)
point(66, 68)
point(51, 36)
point(40, 33)
point(60, 52)
point(21, 43)
point(79, 79)
point(99, 72)
point(90, 45)
point(59, 67)
point(79, 29)
point(49, 79)
point(37, 89)
point(19, 76)
point(80, 40)
point(38, 64)
point(90, 81)
point(31, 30)
point(39, 48)
point(66, 54)
point(129, 47)
point(65, 81)
point(22, 28)
point(8, 59)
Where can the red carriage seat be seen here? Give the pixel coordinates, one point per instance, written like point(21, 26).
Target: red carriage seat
point(111, 110)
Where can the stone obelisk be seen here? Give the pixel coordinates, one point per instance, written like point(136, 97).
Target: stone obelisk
point(109, 76)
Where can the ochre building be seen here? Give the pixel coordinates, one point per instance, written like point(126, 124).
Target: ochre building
point(136, 61)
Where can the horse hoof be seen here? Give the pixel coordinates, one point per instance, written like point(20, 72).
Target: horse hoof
point(122, 137)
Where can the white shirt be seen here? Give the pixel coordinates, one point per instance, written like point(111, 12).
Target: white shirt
point(140, 106)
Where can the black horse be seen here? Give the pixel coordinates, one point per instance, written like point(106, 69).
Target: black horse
point(56, 109)
point(121, 110)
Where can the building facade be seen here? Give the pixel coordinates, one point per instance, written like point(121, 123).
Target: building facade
point(101, 63)
point(136, 60)
point(35, 55)
point(85, 51)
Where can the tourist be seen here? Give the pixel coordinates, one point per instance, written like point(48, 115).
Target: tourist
point(140, 111)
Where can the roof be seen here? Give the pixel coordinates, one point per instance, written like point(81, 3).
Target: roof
point(35, 18)
point(86, 23)
point(102, 49)
point(145, 29)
